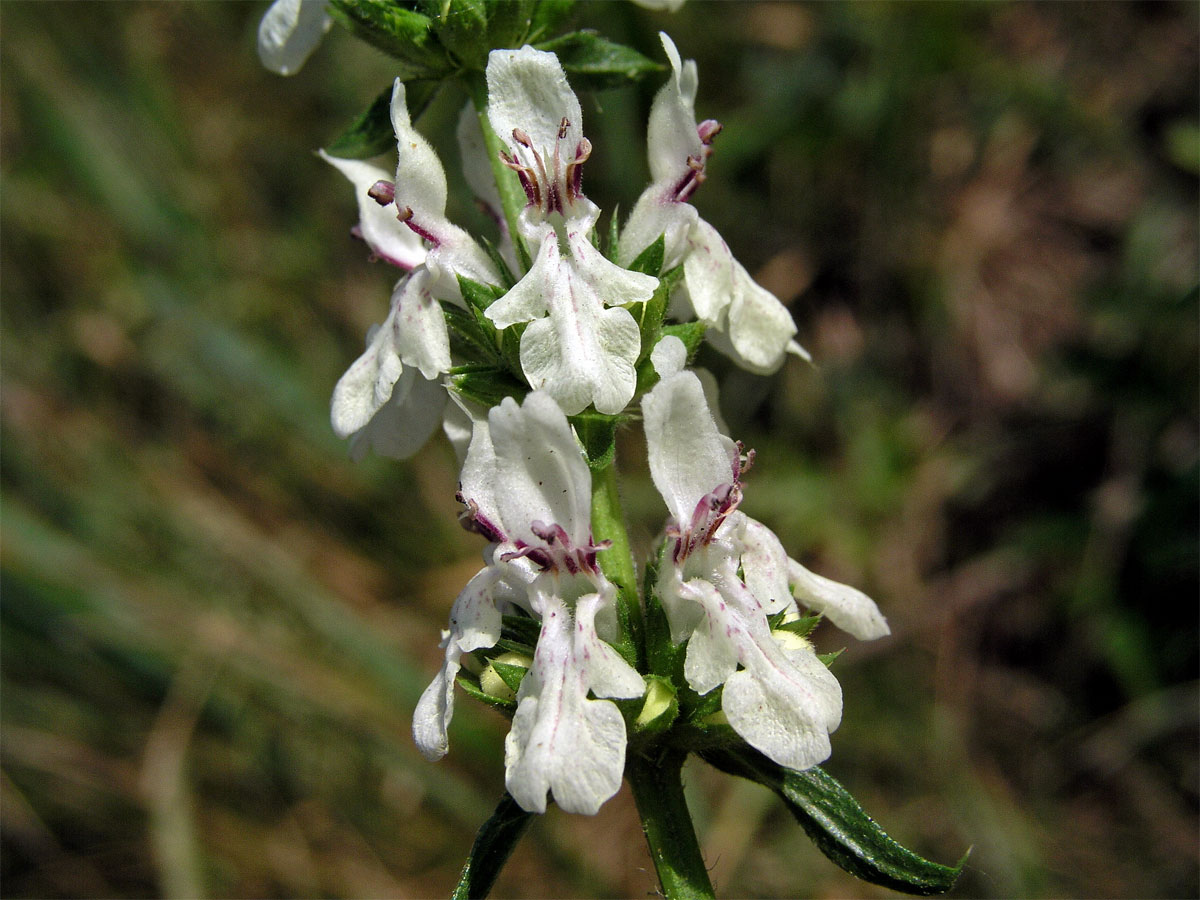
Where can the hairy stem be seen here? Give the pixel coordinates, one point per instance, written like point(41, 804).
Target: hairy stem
point(658, 791)
point(608, 524)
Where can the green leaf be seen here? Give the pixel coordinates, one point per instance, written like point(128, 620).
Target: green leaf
point(835, 822)
point(397, 31)
point(803, 626)
point(486, 385)
point(547, 16)
point(469, 337)
point(521, 628)
point(614, 236)
point(828, 658)
point(510, 674)
point(650, 260)
point(462, 28)
point(371, 133)
point(691, 333)
point(506, 276)
point(508, 707)
point(598, 433)
point(504, 645)
point(595, 63)
point(492, 848)
point(480, 296)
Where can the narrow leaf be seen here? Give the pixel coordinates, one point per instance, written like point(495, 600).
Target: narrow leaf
point(402, 33)
point(486, 385)
point(508, 707)
point(595, 63)
point(650, 260)
point(521, 628)
point(492, 848)
point(510, 674)
point(598, 433)
point(834, 821)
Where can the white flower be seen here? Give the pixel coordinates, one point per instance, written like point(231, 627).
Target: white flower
point(378, 224)
point(289, 32)
point(382, 402)
point(389, 400)
point(746, 321)
point(722, 574)
point(528, 489)
point(581, 345)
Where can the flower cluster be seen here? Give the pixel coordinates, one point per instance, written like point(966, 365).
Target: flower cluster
point(561, 334)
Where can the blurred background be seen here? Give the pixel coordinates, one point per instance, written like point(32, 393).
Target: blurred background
point(215, 627)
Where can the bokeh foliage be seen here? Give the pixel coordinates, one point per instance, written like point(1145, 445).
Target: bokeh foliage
point(214, 627)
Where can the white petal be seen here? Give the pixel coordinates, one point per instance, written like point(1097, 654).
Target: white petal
point(676, 415)
point(785, 708)
point(540, 474)
point(708, 274)
point(528, 90)
point(576, 350)
point(474, 624)
point(683, 611)
point(760, 328)
point(477, 481)
point(368, 383)
point(608, 674)
point(421, 187)
point(402, 425)
point(657, 214)
point(422, 338)
point(420, 179)
point(387, 237)
point(289, 32)
point(712, 653)
point(672, 135)
point(475, 163)
point(562, 742)
point(456, 253)
point(764, 564)
point(669, 356)
point(848, 608)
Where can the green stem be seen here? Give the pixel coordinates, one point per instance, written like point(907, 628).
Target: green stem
point(658, 791)
point(608, 524)
point(512, 197)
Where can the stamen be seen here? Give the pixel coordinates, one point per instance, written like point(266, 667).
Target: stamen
point(522, 138)
point(562, 128)
point(382, 192)
point(708, 129)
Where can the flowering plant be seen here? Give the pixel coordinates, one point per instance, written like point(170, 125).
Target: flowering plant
point(532, 351)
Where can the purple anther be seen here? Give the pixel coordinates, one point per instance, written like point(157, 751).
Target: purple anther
point(707, 130)
point(382, 192)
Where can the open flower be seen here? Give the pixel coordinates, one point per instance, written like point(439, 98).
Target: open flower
point(722, 574)
point(746, 321)
point(289, 32)
point(391, 399)
point(580, 346)
point(528, 489)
